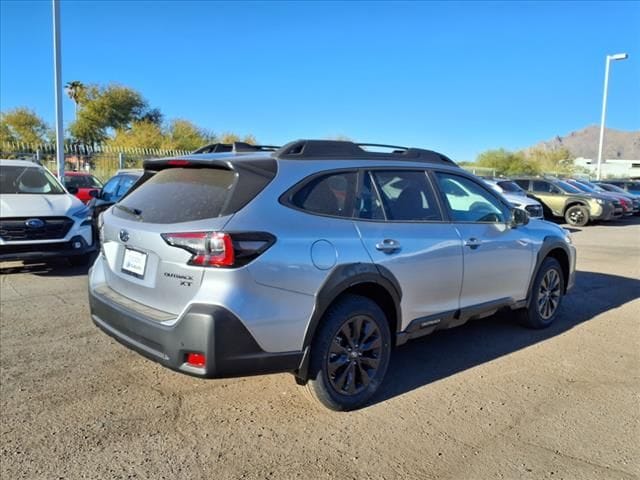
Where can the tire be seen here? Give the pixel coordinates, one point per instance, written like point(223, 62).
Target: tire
point(577, 215)
point(80, 260)
point(546, 296)
point(342, 374)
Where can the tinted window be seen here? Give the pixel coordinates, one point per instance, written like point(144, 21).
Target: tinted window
point(180, 195)
point(524, 184)
point(406, 195)
point(328, 195)
point(469, 202)
point(368, 203)
point(544, 187)
point(18, 179)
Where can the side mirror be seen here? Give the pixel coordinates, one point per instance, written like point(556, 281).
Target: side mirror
point(72, 190)
point(519, 217)
point(94, 193)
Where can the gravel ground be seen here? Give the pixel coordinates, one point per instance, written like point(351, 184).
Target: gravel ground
point(486, 400)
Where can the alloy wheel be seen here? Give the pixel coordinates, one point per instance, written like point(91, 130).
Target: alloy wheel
point(549, 294)
point(354, 355)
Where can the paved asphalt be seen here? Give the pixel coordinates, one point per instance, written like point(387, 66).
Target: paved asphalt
point(487, 400)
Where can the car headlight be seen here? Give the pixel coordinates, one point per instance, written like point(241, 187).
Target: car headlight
point(600, 201)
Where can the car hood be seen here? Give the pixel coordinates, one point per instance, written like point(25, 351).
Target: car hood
point(37, 205)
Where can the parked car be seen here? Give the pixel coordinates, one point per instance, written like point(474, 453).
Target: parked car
point(561, 199)
point(615, 189)
point(316, 259)
point(583, 185)
point(81, 184)
point(516, 196)
point(630, 186)
point(39, 218)
point(115, 188)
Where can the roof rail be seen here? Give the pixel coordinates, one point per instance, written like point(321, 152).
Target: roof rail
point(340, 149)
point(235, 147)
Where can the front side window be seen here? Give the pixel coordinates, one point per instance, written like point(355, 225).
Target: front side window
point(124, 186)
point(17, 179)
point(469, 202)
point(406, 195)
point(331, 194)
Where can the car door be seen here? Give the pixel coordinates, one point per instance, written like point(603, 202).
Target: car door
point(498, 258)
point(550, 195)
point(402, 228)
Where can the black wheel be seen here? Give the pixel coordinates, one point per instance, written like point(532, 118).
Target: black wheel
point(546, 296)
point(349, 354)
point(80, 260)
point(577, 215)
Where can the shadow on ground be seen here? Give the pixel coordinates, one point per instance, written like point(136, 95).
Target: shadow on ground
point(445, 353)
point(50, 268)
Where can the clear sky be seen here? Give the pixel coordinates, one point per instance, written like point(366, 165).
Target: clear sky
point(458, 77)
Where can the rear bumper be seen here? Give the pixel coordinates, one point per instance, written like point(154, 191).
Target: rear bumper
point(229, 348)
point(29, 251)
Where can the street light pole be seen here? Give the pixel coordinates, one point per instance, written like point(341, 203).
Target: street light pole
point(617, 56)
point(57, 83)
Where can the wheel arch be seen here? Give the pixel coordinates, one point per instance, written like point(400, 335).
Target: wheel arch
point(368, 280)
point(574, 202)
point(554, 247)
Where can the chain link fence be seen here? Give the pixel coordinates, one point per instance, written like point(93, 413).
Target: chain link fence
point(101, 161)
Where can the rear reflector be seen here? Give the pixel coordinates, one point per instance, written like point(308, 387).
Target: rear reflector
point(196, 359)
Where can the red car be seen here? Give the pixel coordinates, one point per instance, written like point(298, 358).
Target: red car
point(80, 184)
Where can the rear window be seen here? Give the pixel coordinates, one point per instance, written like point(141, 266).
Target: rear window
point(179, 195)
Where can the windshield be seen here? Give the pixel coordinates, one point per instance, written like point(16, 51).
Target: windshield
point(567, 187)
point(18, 179)
point(613, 188)
point(82, 181)
point(511, 187)
point(582, 186)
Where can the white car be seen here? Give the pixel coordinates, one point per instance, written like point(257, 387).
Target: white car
point(39, 218)
point(517, 196)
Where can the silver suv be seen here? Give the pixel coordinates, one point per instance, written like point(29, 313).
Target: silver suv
point(315, 259)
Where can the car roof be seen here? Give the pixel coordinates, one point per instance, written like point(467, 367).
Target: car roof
point(18, 163)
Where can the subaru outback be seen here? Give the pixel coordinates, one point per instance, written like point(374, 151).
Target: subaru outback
point(316, 259)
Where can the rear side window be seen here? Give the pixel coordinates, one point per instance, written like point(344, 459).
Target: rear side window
point(331, 194)
point(180, 195)
point(406, 196)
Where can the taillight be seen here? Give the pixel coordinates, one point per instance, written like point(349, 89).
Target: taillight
point(218, 249)
point(178, 163)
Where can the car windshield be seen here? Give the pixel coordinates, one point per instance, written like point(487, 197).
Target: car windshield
point(511, 187)
point(567, 187)
point(18, 179)
point(582, 186)
point(613, 188)
point(82, 181)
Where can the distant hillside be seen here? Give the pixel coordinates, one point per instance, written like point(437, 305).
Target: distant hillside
point(584, 143)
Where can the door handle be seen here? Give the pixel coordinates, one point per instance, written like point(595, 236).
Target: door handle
point(473, 243)
point(388, 245)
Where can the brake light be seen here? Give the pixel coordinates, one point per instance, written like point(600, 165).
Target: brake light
point(219, 249)
point(178, 163)
point(210, 249)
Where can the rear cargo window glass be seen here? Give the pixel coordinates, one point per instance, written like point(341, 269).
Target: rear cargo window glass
point(328, 195)
point(179, 195)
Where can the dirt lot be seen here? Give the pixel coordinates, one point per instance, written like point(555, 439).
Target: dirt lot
point(487, 400)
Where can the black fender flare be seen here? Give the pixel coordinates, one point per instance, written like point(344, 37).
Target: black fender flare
point(341, 279)
point(550, 242)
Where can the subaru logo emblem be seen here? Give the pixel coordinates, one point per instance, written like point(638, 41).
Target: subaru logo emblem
point(34, 223)
point(124, 235)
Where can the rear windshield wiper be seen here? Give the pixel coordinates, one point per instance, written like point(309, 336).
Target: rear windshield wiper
point(131, 211)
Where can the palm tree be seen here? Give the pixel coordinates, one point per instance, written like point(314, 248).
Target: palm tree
point(74, 91)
